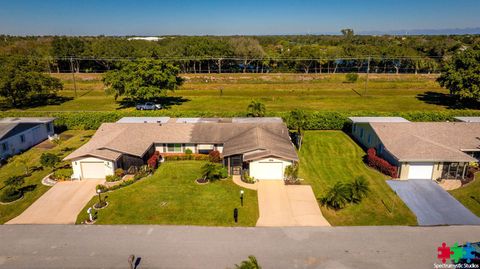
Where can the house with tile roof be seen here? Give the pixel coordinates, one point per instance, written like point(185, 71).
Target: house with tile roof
point(260, 146)
point(421, 150)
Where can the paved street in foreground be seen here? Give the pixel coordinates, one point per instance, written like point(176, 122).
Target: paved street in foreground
point(67, 246)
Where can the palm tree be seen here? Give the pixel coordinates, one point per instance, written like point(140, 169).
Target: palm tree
point(359, 189)
point(337, 197)
point(256, 109)
point(297, 120)
point(210, 170)
point(251, 263)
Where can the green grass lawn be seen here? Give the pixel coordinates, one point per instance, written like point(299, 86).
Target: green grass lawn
point(279, 92)
point(15, 167)
point(327, 157)
point(469, 195)
point(171, 196)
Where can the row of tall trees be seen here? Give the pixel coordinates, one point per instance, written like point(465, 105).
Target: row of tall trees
point(207, 54)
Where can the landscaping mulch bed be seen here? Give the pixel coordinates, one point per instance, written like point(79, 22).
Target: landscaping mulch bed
point(202, 181)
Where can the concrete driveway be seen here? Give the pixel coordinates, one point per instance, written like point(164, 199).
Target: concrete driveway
point(59, 205)
point(431, 204)
point(293, 205)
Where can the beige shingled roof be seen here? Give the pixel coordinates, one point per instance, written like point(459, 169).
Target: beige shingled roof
point(429, 141)
point(113, 139)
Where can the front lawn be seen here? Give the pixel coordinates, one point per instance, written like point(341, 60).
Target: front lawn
point(330, 156)
point(33, 186)
point(171, 196)
point(469, 195)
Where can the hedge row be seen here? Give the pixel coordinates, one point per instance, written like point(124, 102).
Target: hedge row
point(317, 120)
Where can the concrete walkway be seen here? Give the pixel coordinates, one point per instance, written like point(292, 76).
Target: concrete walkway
point(237, 180)
point(282, 205)
point(59, 205)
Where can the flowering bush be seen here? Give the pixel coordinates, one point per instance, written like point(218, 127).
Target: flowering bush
point(215, 156)
point(153, 160)
point(380, 164)
point(183, 157)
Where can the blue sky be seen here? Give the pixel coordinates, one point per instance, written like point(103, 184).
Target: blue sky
point(229, 17)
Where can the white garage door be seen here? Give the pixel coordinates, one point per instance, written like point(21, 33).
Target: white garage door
point(93, 170)
point(420, 171)
point(267, 170)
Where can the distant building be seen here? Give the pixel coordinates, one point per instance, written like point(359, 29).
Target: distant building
point(146, 38)
point(20, 134)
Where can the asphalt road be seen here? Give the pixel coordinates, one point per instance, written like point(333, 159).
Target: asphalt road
point(69, 246)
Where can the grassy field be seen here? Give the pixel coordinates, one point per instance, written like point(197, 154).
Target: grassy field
point(279, 92)
point(171, 196)
point(469, 195)
point(327, 157)
point(33, 182)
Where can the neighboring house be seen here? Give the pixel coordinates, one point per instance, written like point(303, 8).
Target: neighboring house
point(261, 146)
point(20, 134)
point(421, 150)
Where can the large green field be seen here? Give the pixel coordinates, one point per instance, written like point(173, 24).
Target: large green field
point(327, 157)
point(171, 196)
point(279, 92)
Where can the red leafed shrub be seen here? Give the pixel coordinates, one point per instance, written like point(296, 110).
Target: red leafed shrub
point(380, 164)
point(153, 161)
point(215, 156)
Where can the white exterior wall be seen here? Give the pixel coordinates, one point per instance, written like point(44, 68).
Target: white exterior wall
point(77, 167)
point(192, 147)
point(256, 168)
point(220, 148)
point(33, 136)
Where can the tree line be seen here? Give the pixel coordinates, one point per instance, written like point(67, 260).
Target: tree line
point(255, 54)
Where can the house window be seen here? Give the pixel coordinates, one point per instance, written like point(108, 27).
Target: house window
point(174, 148)
point(380, 149)
point(22, 138)
point(369, 138)
point(4, 146)
point(361, 132)
point(354, 128)
point(49, 127)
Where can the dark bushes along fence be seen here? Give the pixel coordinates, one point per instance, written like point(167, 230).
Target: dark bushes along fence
point(381, 164)
point(316, 120)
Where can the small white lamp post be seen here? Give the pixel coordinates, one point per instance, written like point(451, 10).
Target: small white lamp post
point(89, 212)
point(241, 197)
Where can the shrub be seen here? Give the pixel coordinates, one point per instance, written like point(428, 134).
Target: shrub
point(153, 161)
point(112, 178)
point(247, 178)
point(119, 172)
point(351, 77)
point(62, 174)
point(182, 157)
point(10, 194)
point(380, 164)
point(188, 151)
point(15, 181)
point(102, 188)
point(49, 159)
point(213, 171)
point(291, 174)
point(214, 156)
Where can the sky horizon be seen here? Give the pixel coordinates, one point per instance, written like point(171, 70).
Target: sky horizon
point(248, 17)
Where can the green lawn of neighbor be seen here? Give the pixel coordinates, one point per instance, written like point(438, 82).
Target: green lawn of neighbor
point(171, 196)
point(33, 182)
point(279, 92)
point(327, 157)
point(469, 195)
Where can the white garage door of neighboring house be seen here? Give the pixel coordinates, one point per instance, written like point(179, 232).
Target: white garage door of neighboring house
point(93, 170)
point(420, 171)
point(267, 170)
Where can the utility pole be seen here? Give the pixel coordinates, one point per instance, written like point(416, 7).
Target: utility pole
point(73, 76)
point(366, 79)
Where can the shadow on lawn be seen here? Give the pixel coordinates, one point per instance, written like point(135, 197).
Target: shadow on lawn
point(166, 102)
point(37, 101)
point(446, 100)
